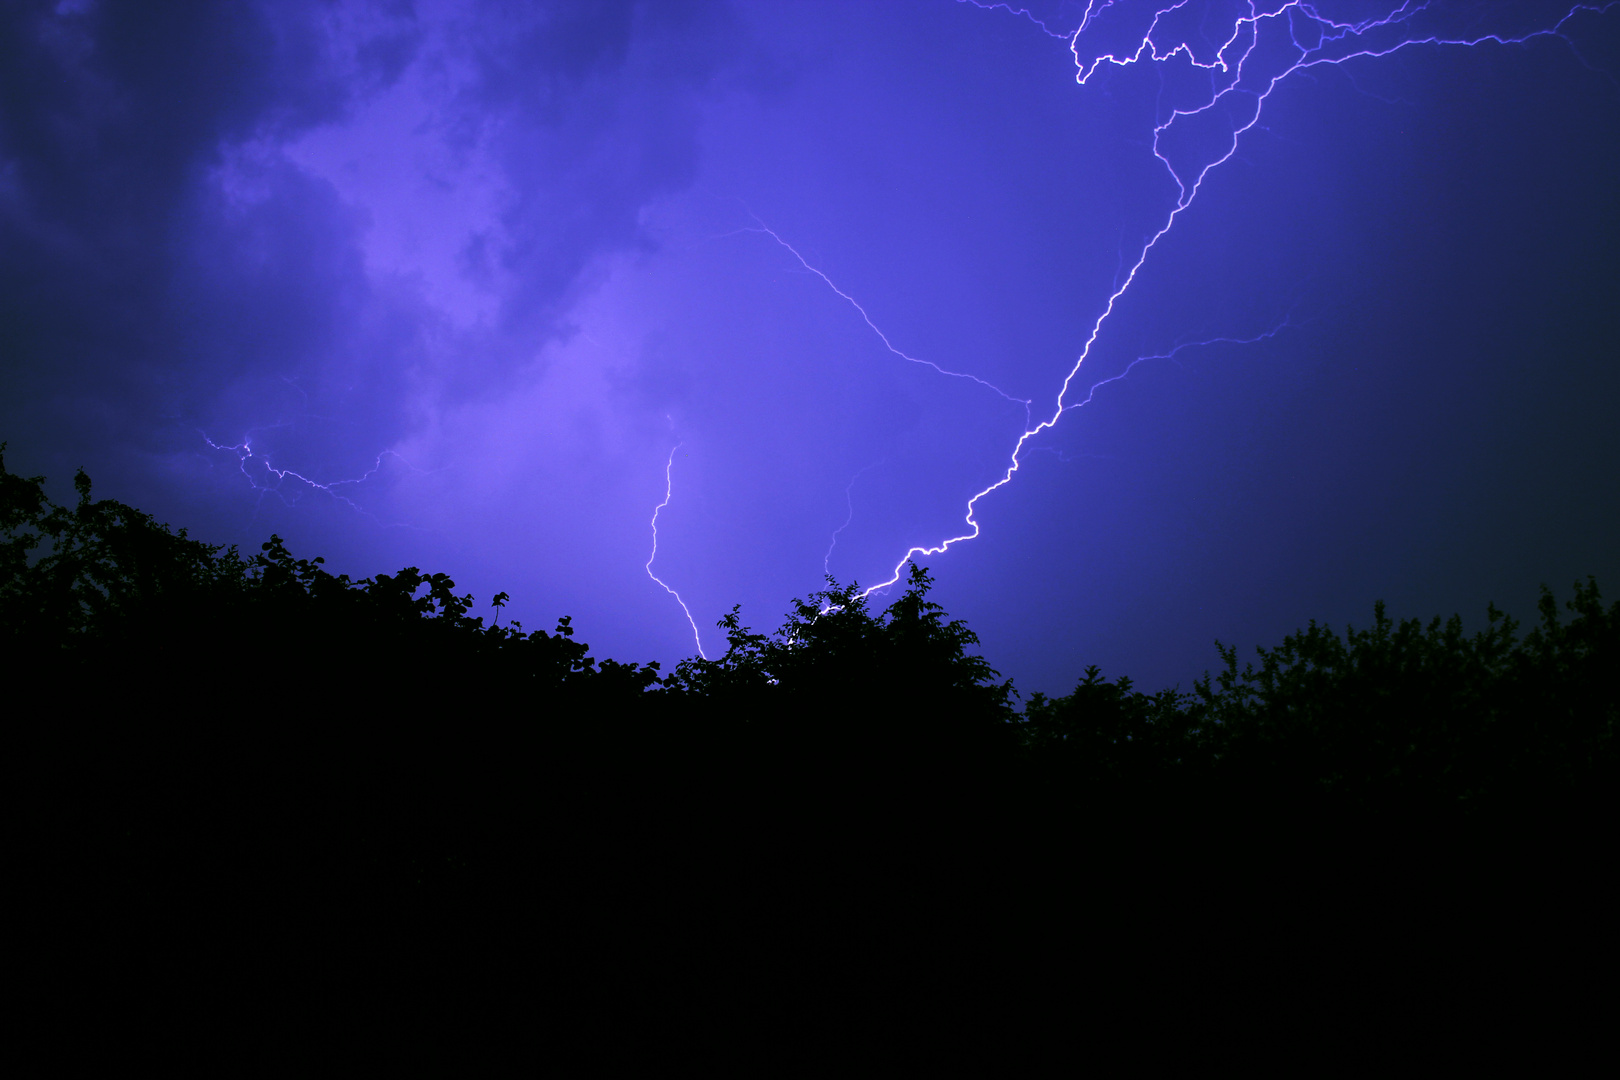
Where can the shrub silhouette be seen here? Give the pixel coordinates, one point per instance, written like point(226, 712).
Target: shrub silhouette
point(837, 670)
point(1426, 712)
point(248, 769)
point(1394, 714)
point(106, 592)
point(1398, 713)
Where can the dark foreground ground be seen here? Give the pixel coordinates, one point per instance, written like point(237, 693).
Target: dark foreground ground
point(266, 894)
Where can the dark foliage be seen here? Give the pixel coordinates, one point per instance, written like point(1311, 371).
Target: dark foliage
point(1396, 714)
point(1426, 712)
point(838, 675)
point(101, 594)
point(102, 591)
point(229, 765)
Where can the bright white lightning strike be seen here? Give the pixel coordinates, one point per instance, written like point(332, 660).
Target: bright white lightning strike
point(669, 469)
point(1293, 28)
point(1329, 43)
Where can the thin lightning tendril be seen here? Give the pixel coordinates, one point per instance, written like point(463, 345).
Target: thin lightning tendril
point(887, 344)
point(669, 470)
point(1171, 355)
point(849, 501)
point(1024, 11)
point(244, 451)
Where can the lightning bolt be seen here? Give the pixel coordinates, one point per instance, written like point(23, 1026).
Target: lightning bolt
point(849, 501)
point(669, 488)
point(887, 344)
point(1024, 11)
point(244, 453)
point(1292, 31)
point(1176, 351)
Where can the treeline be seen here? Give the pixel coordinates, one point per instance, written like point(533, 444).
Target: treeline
point(334, 813)
point(120, 613)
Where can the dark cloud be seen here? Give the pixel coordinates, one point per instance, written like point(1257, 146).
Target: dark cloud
point(166, 266)
point(595, 105)
point(112, 117)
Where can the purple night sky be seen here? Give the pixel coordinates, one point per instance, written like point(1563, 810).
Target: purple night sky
point(463, 285)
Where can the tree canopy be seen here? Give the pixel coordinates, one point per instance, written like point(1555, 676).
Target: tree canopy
point(219, 756)
point(1403, 711)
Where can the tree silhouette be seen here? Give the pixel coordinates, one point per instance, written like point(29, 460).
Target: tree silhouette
point(903, 677)
point(207, 745)
point(1109, 733)
point(1398, 713)
point(1412, 711)
point(105, 591)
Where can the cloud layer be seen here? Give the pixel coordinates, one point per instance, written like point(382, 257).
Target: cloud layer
point(446, 283)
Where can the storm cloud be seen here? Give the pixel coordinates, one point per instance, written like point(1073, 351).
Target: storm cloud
point(456, 284)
